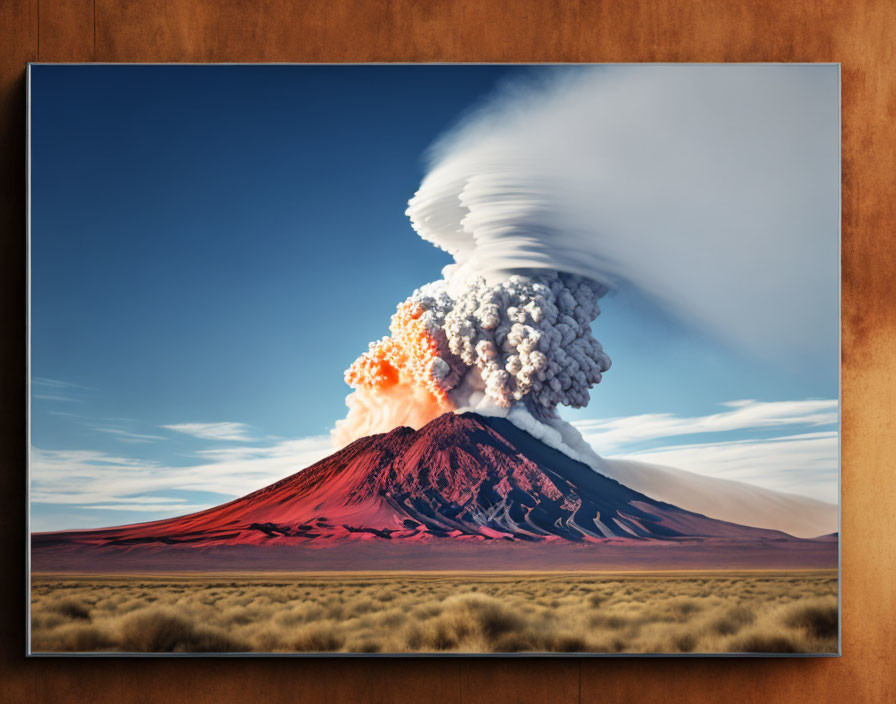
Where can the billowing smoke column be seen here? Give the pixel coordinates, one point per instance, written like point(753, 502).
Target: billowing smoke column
point(526, 341)
point(698, 186)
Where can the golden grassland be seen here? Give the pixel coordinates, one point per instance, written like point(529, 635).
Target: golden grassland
point(378, 612)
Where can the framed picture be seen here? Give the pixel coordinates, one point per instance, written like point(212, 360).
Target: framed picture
point(434, 359)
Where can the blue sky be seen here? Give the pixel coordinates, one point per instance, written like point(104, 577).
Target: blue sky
point(211, 247)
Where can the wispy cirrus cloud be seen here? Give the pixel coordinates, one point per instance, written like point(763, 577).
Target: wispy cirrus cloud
point(118, 427)
point(803, 460)
point(234, 432)
point(47, 389)
point(611, 434)
point(805, 464)
point(55, 383)
point(129, 436)
point(93, 480)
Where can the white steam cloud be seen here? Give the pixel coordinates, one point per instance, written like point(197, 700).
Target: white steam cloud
point(526, 339)
point(707, 188)
point(713, 189)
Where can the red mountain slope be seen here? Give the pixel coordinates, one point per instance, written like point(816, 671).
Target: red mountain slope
point(461, 478)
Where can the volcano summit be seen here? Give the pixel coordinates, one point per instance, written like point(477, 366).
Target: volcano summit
point(464, 488)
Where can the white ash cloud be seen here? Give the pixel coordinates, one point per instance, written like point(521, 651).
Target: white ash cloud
point(713, 190)
point(710, 189)
point(529, 339)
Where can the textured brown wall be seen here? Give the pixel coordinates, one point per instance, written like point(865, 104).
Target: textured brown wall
point(860, 35)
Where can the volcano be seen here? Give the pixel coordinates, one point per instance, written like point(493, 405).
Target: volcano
point(462, 488)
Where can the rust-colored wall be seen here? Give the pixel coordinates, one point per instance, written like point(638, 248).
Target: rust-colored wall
point(860, 35)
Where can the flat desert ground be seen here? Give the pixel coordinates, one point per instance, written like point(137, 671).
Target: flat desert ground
point(446, 612)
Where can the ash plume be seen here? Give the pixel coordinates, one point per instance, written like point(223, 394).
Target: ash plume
point(696, 185)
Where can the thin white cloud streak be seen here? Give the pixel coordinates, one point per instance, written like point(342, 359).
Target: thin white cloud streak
point(153, 500)
point(116, 426)
point(55, 397)
point(55, 383)
point(147, 503)
point(46, 389)
point(91, 480)
point(128, 436)
point(177, 508)
point(610, 435)
point(236, 432)
point(92, 421)
point(805, 464)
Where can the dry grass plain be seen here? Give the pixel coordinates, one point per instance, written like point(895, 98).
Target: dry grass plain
point(697, 612)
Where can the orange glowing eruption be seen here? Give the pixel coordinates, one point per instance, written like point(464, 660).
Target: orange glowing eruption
point(396, 381)
point(409, 353)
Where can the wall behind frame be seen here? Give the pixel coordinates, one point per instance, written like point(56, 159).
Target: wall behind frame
point(857, 34)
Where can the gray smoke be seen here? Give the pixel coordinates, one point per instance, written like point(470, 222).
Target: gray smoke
point(707, 188)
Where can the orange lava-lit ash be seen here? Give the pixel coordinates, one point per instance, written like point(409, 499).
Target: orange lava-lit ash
point(406, 356)
point(394, 380)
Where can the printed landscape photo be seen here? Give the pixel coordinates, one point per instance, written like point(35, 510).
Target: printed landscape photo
point(466, 359)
